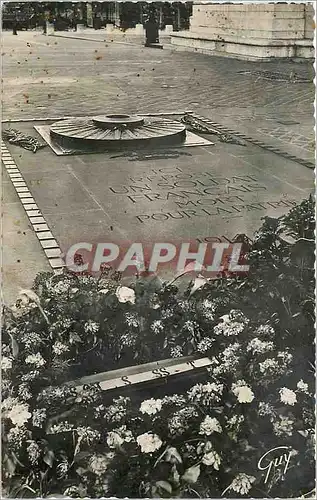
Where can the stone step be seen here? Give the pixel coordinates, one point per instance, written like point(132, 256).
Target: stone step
point(154, 45)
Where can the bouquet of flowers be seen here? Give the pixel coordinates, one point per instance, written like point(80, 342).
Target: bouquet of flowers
point(246, 429)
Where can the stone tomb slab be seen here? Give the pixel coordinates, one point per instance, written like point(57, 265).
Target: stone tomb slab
point(180, 194)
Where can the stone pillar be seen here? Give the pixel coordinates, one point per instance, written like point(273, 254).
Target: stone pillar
point(139, 30)
point(49, 28)
point(141, 13)
point(178, 17)
point(89, 18)
point(117, 13)
point(168, 28)
point(160, 15)
point(250, 31)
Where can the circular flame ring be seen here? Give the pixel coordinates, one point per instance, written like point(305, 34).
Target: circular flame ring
point(116, 131)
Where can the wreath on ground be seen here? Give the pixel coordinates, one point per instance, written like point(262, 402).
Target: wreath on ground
point(205, 440)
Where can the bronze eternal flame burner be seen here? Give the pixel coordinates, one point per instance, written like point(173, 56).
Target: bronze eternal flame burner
point(110, 132)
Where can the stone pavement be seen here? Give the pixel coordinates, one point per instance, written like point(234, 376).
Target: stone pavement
point(22, 256)
point(117, 36)
point(53, 77)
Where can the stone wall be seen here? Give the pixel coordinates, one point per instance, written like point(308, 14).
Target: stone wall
point(250, 31)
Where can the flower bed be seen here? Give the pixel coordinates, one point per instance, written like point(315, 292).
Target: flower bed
point(203, 440)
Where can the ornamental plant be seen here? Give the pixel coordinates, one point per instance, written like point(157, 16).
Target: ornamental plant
point(202, 439)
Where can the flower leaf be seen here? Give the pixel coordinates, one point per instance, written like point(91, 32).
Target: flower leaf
point(303, 433)
point(164, 485)
point(175, 475)
point(199, 282)
point(82, 454)
point(14, 346)
point(10, 465)
point(49, 458)
point(173, 456)
point(191, 475)
point(74, 337)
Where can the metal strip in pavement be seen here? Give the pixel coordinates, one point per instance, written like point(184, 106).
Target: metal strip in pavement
point(59, 118)
point(94, 40)
point(256, 142)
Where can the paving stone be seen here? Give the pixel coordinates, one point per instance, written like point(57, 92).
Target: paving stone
point(49, 244)
point(52, 253)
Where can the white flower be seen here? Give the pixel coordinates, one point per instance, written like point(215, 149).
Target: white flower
point(225, 318)
point(118, 436)
point(132, 320)
point(19, 414)
point(208, 315)
point(61, 287)
point(9, 403)
point(283, 426)
point(285, 356)
point(157, 326)
point(205, 344)
point(125, 294)
point(126, 434)
point(104, 291)
point(91, 326)
point(167, 313)
point(38, 417)
point(266, 409)
point(176, 352)
point(288, 396)
point(235, 420)
point(265, 330)
point(269, 366)
point(35, 359)
point(190, 326)
point(207, 394)
point(151, 406)
point(243, 393)
point(258, 346)
point(229, 360)
point(34, 452)
point(60, 427)
point(149, 442)
point(209, 425)
point(302, 386)
point(208, 304)
point(98, 464)
point(6, 363)
point(17, 436)
point(88, 434)
point(242, 483)
point(66, 322)
point(212, 458)
point(75, 491)
point(60, 348)
point(230, 327)
point(114, 440)
point(24, 392)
